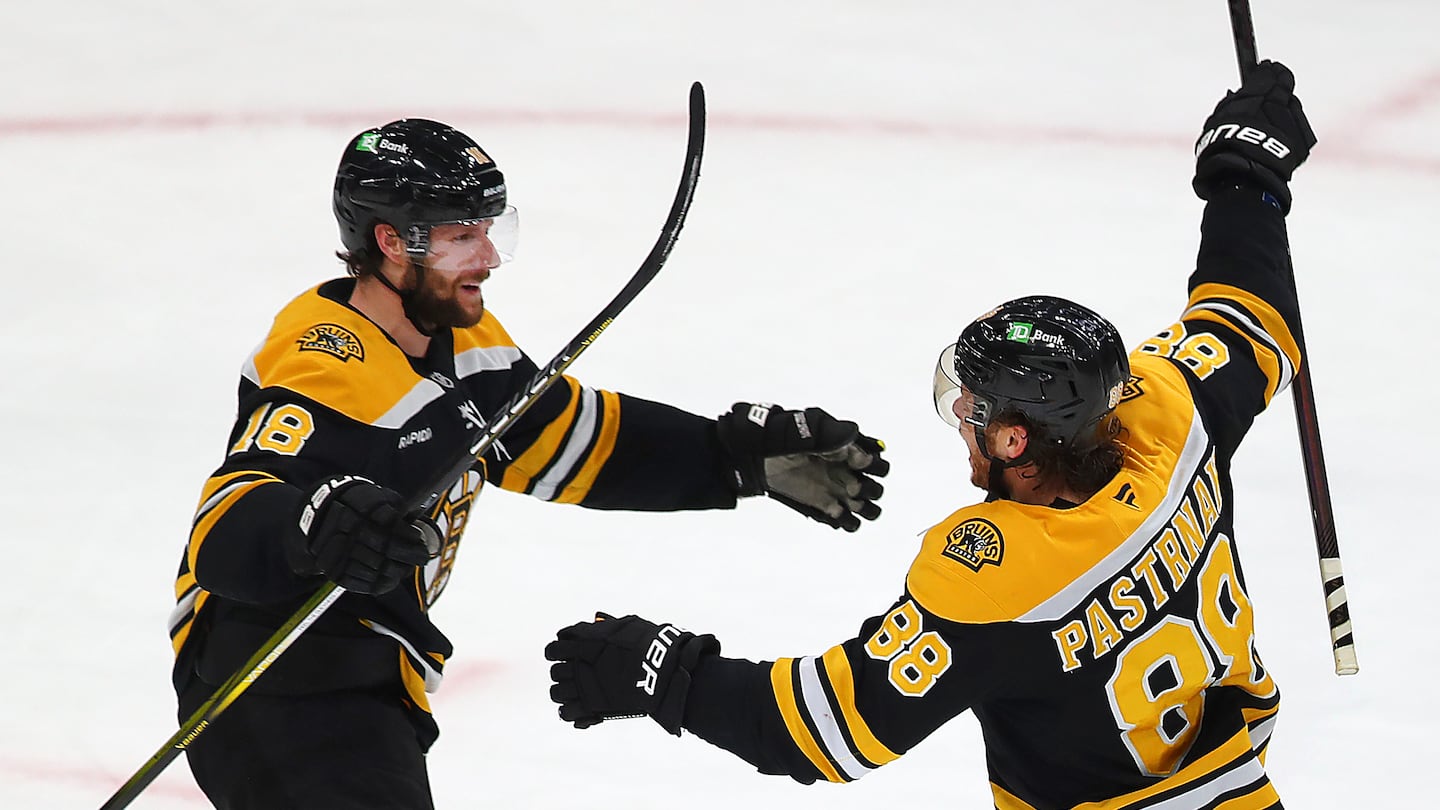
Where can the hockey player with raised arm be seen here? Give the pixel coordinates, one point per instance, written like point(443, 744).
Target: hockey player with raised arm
point(1092, 612)
point(355, 401)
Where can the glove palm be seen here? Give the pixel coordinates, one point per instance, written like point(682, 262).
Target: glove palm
point(820, 466)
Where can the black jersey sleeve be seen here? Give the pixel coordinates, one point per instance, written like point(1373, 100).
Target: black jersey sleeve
point(606, 450)
point(664, 458)
point(861, 704)
point(1238, 338)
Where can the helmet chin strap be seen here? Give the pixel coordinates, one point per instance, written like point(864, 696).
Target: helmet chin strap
point(416, 246)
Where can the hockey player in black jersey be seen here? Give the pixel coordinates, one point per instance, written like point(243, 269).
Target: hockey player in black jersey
point(355, 400)
point(1092, 612)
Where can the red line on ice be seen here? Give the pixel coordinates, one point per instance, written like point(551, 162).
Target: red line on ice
point(1423, 92)
point(461, 676)
point(1343, 150)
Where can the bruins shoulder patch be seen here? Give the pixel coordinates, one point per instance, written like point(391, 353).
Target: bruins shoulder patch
point(332, 339)
point(976, 542)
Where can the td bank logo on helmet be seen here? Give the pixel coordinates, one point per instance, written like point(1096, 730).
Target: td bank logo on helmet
point(373, 142)
point(1022, 332)
point(1240, 133)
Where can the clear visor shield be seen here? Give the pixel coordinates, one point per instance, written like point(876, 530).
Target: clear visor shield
point(947, 387)
point(947, 391)
point(469, 244)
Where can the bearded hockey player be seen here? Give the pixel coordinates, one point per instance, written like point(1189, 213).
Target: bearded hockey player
point(356, 399)
point(1092, 612)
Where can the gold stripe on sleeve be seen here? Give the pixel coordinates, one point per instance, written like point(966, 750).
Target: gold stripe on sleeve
point(521, 472)
point(1005, 800)
point(414, 682)
point(218, 482)
point(177, 641)
point(837, 667)
point(1270, 320)
point(1264, 354)
point(214, 513)
point(781, 679)
point(1251, 714)
point(184, 583)
point(604, 445)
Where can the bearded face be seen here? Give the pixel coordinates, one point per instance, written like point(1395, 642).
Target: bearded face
point(459, 260)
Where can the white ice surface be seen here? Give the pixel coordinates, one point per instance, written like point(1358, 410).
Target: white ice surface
point(876, 175)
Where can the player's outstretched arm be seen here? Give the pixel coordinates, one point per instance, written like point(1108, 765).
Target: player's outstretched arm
point(832, 717)
point(822, 467)
point(613, 668)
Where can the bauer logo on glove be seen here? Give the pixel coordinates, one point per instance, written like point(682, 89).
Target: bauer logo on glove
point(596, 664)
point(655, 657)
point(1243, 133)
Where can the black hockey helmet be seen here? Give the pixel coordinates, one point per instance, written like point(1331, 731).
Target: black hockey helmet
point(1056, 362)
point(412, 174)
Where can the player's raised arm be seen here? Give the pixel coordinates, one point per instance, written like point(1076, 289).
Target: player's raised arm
point(1238, 336)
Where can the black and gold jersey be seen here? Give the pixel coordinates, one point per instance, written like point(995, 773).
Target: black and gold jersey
point(1107, 648)
point(327, 393)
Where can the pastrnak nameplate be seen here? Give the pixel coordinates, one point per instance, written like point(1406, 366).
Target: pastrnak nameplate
point(975, 542)
point(332, 339)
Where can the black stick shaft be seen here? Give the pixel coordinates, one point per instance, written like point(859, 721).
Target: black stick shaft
point(1243, 27)
point(504, 418)
point(1327, 546)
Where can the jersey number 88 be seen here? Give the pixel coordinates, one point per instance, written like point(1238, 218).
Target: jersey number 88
point(917, 660)
point(1157, 693)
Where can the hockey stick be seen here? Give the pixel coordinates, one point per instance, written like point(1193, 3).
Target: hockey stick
point(503, 419)
point(1342, 639)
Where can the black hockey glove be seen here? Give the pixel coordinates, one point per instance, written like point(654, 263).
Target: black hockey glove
point(1258, 134)
point(355, 533)
point(808, 460)
point(628, 667)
